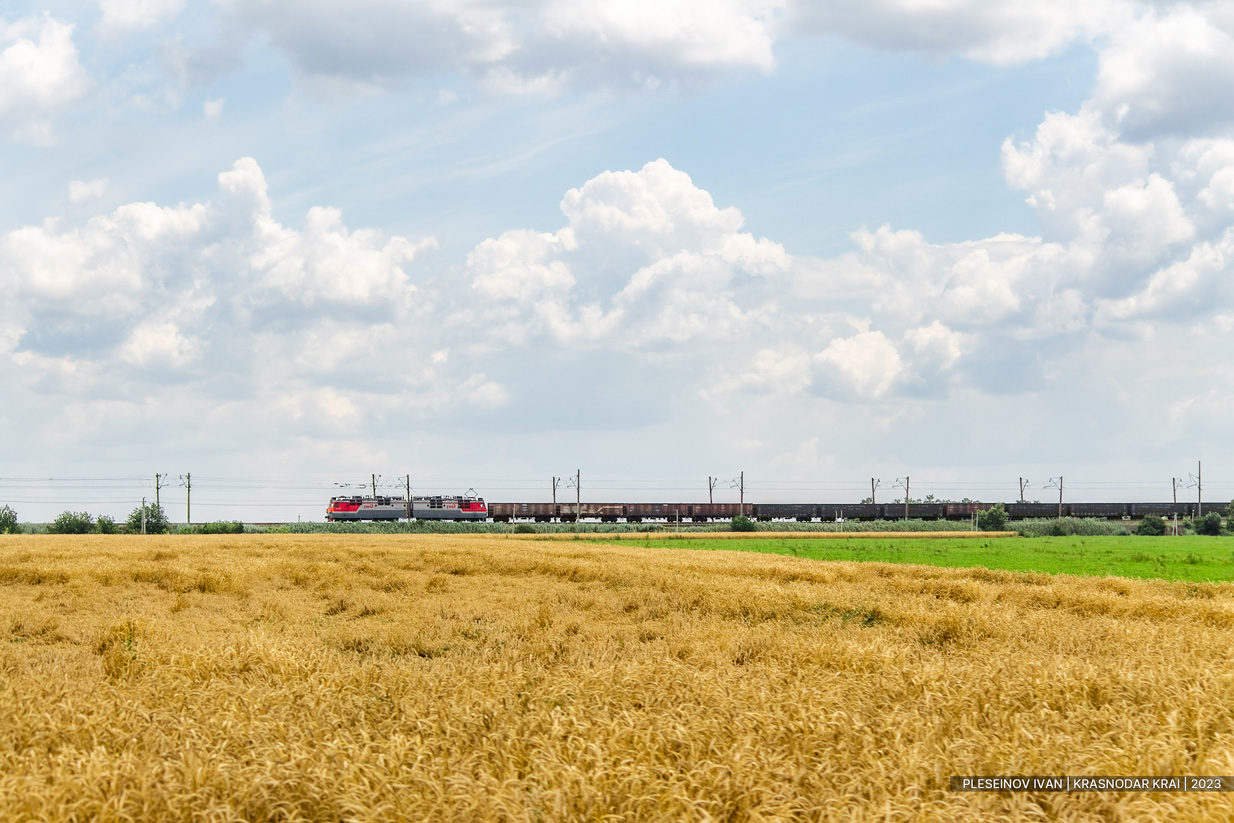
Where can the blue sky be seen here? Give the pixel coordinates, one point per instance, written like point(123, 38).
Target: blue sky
point(491, 242)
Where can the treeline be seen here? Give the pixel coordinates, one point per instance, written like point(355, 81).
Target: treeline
point(148, 519)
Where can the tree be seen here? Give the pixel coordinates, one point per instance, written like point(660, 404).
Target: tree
point(993, 519)
point(156, 520)
point(72, 523)
point(8, 521)
point(741, 523)
point(105, 525)
point(1151, 526)
point(1208, 524)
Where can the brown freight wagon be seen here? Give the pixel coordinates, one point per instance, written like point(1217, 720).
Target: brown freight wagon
point(965, 511)
point(539, 512)
point(694, 512)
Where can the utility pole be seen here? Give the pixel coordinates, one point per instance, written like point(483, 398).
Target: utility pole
point(188, 499)
point(1057, 482)
point(409, 507)
point(374, 484)
point(1174, 483)
point(1199, 488)
point(158, 484)
point(1022, 485)
point(905, 484)
point(578, 496)
point(711, 489)
point(143, 515)
point(874, 484)
point(742, 485)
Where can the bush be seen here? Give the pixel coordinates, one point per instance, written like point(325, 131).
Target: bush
point(8, 521)
point(105, 525)
point(524, 528)
point(71, 523)
point(992, 520)
point(741, 523)
point(221, 527)
point(1151, 526)
point(156, 520)
point(1063, 527)
point(1208, 524)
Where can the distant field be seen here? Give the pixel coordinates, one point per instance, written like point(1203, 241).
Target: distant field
point(485, 678)
point(1192, 558)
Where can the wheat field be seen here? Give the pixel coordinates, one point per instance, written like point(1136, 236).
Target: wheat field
point(457, 678)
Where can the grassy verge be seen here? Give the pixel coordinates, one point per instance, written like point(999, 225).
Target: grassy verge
point(1188, 558)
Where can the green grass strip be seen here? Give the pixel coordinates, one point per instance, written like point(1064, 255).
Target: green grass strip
point(1191, 558)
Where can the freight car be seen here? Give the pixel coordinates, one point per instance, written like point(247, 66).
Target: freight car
point(1020, 511)
point(1168, 510)
point(801, 512)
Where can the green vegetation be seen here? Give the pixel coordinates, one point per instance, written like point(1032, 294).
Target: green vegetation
point(1151, 526)
point(445, 527)
point(1187, 558)
point(8, 521)
point(156, 520)
point(741, 523)
point(992, 520)
point(1067, 526)
point(72, 523)
point(1209, 524)
point(221, 527)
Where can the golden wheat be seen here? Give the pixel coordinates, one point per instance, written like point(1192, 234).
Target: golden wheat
point(367, 678)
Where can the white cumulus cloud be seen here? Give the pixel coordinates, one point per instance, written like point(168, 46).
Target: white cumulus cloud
point(131, 15)
point(864, 366)
point(40, 75)
point(518, 46)
point(646, 260)
point(83, 190)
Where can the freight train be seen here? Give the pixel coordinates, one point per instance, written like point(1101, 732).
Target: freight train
point(444, 507)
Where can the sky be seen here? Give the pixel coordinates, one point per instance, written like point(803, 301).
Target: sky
point(285, 246)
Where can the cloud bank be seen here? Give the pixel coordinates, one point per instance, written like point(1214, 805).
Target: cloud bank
point(647, 311)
